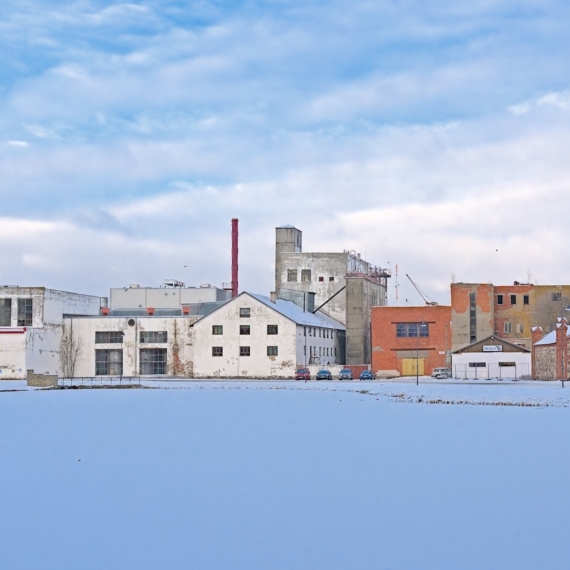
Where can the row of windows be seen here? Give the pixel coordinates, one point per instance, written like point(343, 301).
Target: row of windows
point(484, 364)
point(306, 276)
point(244, 351)
point(244, 329)
point(323, 351)
point(508, 328)
point(323, 333)
point(412, 329)
point(513, 299)
point(109, 362)
point(25, 312)
point(116, 337)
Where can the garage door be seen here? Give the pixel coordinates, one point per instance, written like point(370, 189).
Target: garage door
point(409, 366)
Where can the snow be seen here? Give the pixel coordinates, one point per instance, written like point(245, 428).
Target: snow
point(282, 475)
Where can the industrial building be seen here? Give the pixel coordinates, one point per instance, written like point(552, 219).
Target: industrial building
point(344, 285)
point(410, 340)
point(32, 329)
point(480, 310)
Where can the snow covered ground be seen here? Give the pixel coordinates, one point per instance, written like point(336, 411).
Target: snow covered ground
point(285, 475)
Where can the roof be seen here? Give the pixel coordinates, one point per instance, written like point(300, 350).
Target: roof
point(296, 314)
point(550, 338)
point(286, 227)
point(290, 311)
point(494, 338)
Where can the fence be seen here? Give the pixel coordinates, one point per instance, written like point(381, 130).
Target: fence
point(493, 371)
point(100, 381)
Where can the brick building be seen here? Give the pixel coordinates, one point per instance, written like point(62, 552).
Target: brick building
point(404, 338)
point(480, 310)
point(550, 352)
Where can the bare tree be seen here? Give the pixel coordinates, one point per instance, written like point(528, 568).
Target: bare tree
point(69, 351)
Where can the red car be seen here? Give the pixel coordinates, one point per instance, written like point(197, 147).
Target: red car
point(303, 374)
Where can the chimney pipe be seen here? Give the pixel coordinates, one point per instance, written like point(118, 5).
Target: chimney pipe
point(235, 265)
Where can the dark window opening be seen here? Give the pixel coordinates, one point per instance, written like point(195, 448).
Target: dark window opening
point(499, 299)
point(217, 351)
point(245, 313)
point(272, 329)
point(244, 329)
point(526, 300)
point(217, 329)
point(25, 308)
point(291, 275)
point(305, 275)
point(412, 330)
point(272, 351)
point(159, 337)
point(331, 279)
point(556, 296)
point(477, 365)
point(5, 312)
point(244, 351)
point(473, 317)
point(321, 279)
point(108, 362)
point(153, 361)
point(109, 337)
point(513, 299)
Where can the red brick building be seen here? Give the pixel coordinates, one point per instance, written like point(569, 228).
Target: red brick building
point(550, 352)
point(406, 339)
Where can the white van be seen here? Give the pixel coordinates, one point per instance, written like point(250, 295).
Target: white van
point(440, 373)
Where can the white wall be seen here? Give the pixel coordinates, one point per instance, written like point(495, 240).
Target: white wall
point(164, 298)
point(312, 340)
point(12, 354)
point(460, 365)
point(180, 346)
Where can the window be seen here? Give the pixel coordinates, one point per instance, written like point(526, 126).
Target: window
point(556, 296)
point(335, 350)
point(272, 329)
point(291, 275)
point(108, 362)
point(473, 317)
point(245, 313)
point(244, 351)
point(321, 279)
point(217, 351)
point(244, 329)
point(109, 337)
point(526, 300)
point(5, 312)
point(320, 333)
point(272, 351)
point(304, 331)
point(25, 307)
point(153, 361)
point(331, 279)
point(305, 275)
point(217, 329)
point(159, 337)
point(401, 329)
point(412, 329)
point(424, 330)
point(499, 299)
point(507, 364)
point(520, 328)
point(507, 327)
point(477, 365)
point(513, 299)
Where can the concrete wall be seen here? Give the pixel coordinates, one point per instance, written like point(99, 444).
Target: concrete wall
point(164, 298)
point(179, 345)
point(12, 354)
point(460, 365)
point(389, 350)
point(460, 312)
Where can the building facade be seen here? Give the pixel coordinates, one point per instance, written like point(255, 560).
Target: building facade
point(481, 310)
point(344, 285)
point(31, 328)
point(550, 352)
point(410, 340)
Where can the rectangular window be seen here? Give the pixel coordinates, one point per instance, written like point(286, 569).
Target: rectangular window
point(401, 329)
point(424, 329)
point(320, 333)
point(473, 317)
point(507, 364)
point(292, 275)
point(5, 312)
point(272, 329)
point(331, 279)
point(244, 329)
point(109, 337)
point(217, 351)
point(304, 331)
point(526, 300)
point(477, 365)
point(25, 307)
point(513, 299)
point(244, 351)
point(412, 329)
point(271, 351)
point(217, 329)
point(245, 312)
point(153, 361)
point(321, 279)
point(520, 328)
point(499, 299)
point(507, 328)
point(556, 296)
point(108, 362)
point(305, 275)
point(159, 337)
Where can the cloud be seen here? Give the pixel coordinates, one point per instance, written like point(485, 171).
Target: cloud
point(18, 143)
point(557, 100)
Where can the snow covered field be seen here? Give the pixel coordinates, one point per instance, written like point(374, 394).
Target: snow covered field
point(285, 475)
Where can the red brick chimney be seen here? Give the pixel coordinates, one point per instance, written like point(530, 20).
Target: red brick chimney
point(561, 349)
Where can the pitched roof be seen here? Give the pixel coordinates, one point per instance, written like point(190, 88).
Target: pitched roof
point(492, 337)
point(550, 338)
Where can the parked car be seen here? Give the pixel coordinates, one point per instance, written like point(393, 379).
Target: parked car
point(345, 374)
point(440, 373)
point(367, 375)
point(303, 374)
point(324, 375)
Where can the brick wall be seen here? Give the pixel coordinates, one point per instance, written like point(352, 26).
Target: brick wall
point(389, 350)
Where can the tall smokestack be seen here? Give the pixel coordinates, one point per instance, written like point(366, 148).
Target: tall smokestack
point(235, 266)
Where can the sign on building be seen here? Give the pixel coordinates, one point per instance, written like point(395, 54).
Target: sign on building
point(492, 348)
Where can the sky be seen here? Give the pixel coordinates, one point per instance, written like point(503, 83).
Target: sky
point(428, 135)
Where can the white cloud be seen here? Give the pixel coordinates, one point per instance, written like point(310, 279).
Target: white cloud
point(556, 99)
point(18, 143)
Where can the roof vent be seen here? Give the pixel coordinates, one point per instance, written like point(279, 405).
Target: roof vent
point(205, 285)
point(134, 286)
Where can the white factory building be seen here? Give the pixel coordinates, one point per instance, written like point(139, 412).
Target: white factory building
point(32, 330)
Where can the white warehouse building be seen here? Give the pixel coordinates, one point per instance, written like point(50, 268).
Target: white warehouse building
point(253, 336)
